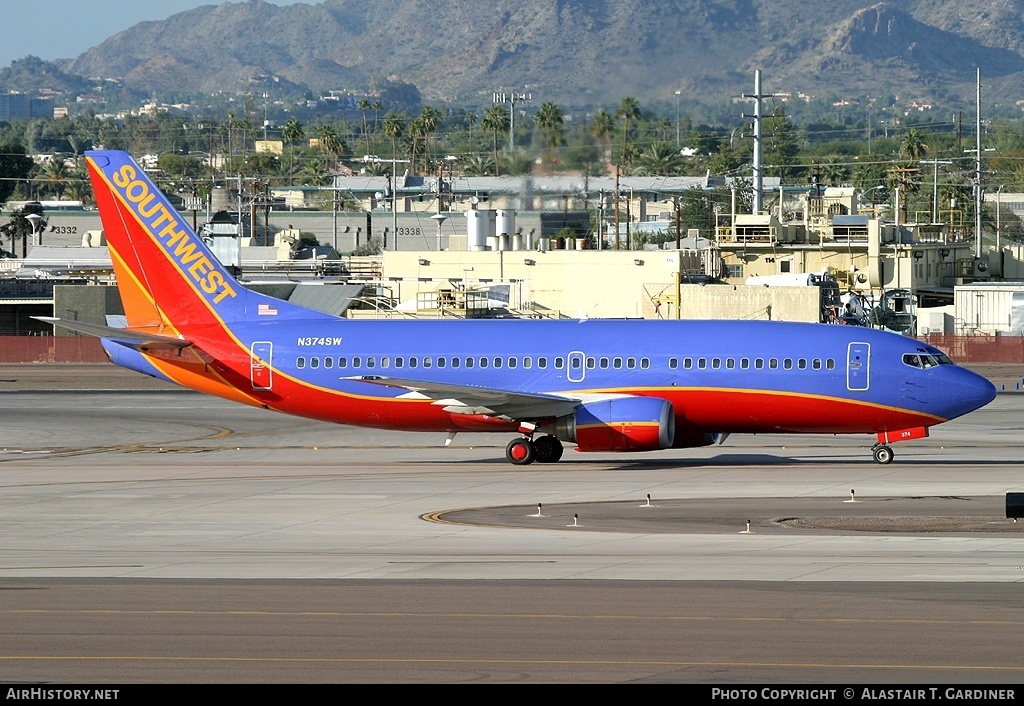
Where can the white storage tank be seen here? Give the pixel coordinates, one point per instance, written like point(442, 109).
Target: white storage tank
point(505, 221)
point(480, 225)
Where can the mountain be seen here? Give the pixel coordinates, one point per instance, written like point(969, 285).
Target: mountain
point(574, 52)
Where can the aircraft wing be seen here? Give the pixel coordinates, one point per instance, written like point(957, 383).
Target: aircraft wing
point(467, 399)
point(128, 337)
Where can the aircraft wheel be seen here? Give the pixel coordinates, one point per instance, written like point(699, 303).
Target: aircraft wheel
point(882, 454)
point(520, 452)
point(547, 449)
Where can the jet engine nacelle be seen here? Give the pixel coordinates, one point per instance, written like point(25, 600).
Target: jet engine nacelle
point(621, 424)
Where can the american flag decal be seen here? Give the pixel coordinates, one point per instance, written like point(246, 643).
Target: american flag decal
point(266, 310)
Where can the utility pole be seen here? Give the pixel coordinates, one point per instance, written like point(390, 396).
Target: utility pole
point(616, 207)
point(977, 168)
point(678, 94)
point(512, 97)
point(757, 97)
point(935, 185)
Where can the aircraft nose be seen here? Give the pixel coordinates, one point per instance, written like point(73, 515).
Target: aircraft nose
point(971, 392)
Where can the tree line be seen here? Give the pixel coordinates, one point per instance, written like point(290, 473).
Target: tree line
point(928, 162)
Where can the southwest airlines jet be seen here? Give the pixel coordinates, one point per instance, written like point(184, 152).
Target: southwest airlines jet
point(602, 385)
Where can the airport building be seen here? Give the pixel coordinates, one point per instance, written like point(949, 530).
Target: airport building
point(555, 247)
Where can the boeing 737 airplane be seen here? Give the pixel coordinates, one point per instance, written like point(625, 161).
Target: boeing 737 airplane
point(603, 385)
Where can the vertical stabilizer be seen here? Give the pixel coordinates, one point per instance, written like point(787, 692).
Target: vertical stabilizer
point(167, 274)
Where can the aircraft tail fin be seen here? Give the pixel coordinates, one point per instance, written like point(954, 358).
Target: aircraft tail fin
point(169, 280)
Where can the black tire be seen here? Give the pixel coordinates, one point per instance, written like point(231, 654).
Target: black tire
point(882, 454)
point(547, 449)
point(520, 452)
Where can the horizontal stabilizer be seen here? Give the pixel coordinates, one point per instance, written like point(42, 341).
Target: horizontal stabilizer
point(128, 337)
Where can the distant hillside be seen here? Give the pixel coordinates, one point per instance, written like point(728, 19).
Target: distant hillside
point(575, 52)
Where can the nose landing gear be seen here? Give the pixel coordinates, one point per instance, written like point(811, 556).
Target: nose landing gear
point(883, 454)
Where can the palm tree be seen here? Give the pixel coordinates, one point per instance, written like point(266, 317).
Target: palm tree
point(417, 134)
point(291, 132)
point(913, 147)
point(331, 143)
point(364, 105)
point(55, 173)
point(378, 107)
point(430, 117)
point(549, 120)
point(834, 172)
point(629, 109)
point(602, 128)
point(478, 165)
point(496, 121)
point(315, 172)
point(471, 119)
point(394, 127)
point(659, 159)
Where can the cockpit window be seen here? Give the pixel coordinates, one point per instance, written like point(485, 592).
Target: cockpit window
point(925, 360)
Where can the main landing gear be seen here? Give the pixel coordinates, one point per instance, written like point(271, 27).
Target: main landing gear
point(882, 453)
point(524, 450)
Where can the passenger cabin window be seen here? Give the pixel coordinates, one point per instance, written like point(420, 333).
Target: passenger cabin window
point(328, 362)
point(542, 362)
point(300, 362)
point(559, 363)
point(673, 363)
point(687, 363)
point(357, 362)
point(527, 362)
point(343, 362)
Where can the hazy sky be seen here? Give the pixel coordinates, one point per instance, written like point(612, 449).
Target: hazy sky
point(63, 29)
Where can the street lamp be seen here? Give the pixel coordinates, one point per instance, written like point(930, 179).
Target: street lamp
point(869, 191)
point(394, 191)
point(36, 220)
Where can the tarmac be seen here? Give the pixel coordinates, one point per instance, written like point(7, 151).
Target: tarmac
point(156, 535)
